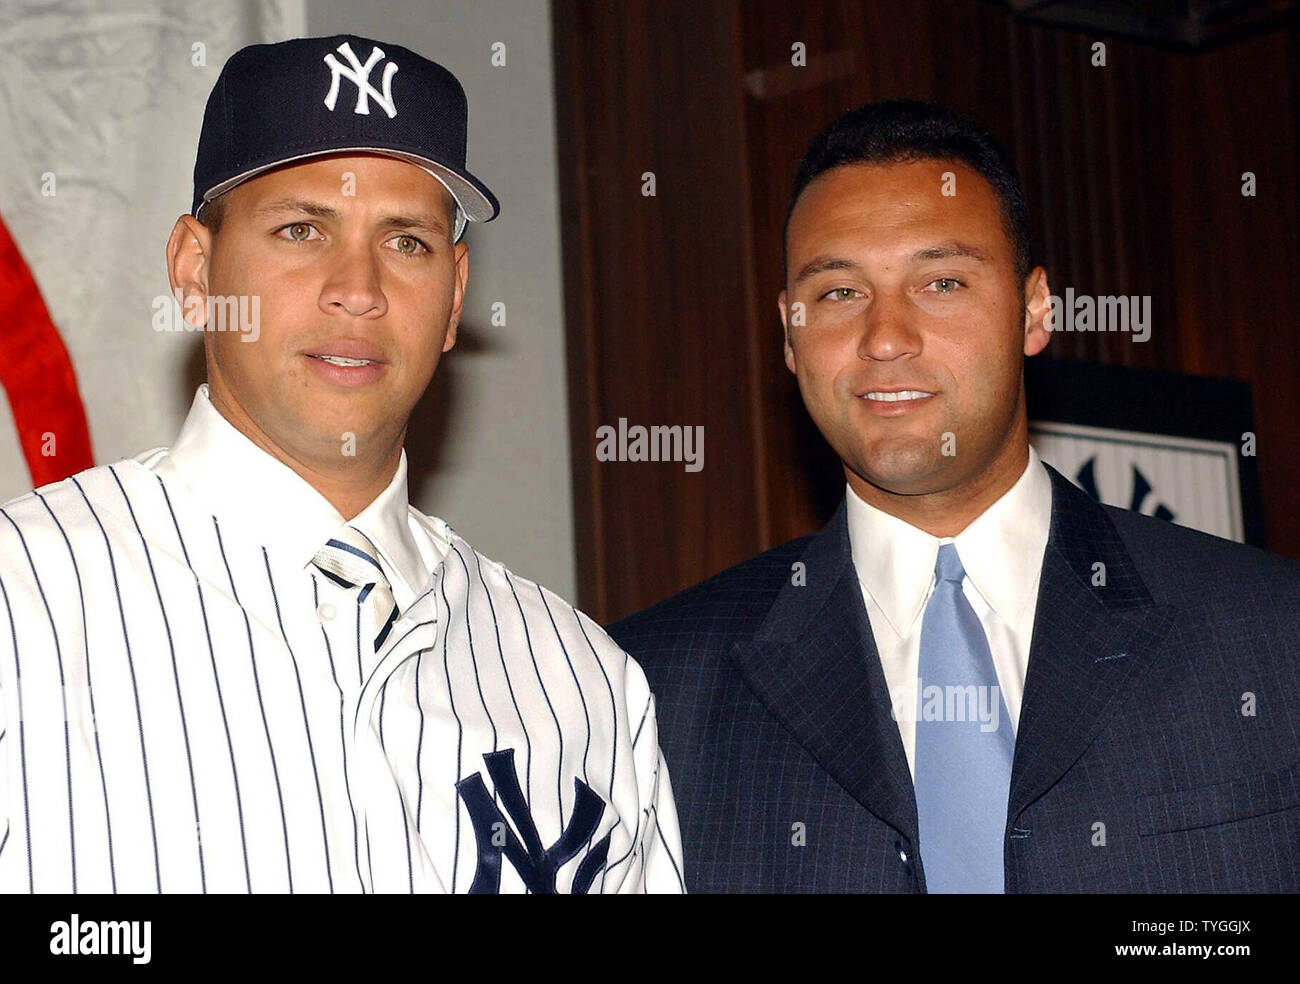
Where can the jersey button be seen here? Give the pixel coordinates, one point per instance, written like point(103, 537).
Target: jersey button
point(325, 612)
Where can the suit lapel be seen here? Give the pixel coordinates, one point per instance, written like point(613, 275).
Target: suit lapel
point(1090, 643)
point(814, 664)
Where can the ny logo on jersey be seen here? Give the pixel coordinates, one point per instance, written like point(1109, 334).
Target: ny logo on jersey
point(537, 866)
point(359, 75)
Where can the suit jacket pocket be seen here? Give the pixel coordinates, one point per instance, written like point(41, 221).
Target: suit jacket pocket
point(1223, 802)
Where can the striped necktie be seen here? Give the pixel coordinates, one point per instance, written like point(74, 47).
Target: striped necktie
point(351, 560)
point(964, 743)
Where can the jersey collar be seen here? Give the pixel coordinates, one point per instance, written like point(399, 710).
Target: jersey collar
point(242, 484)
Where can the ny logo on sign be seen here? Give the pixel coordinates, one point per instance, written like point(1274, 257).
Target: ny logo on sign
point(537, 866)
point(1087, 478)
point(360, 76)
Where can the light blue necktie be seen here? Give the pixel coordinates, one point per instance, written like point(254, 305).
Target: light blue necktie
point(964, 751)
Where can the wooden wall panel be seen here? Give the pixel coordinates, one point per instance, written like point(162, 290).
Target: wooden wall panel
point(658, 290)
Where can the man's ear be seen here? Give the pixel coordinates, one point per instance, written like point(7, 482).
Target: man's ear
point(785, 324)
point(1038, 311)
point(189, 249)
point(460, 276)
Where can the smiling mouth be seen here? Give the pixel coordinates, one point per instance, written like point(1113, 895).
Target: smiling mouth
point(338, 360)
point(895, 397)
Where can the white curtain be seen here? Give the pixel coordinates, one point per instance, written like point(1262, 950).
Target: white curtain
point(101, 105)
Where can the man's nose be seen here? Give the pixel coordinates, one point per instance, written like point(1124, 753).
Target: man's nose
point(888, 330)
point(354, 285)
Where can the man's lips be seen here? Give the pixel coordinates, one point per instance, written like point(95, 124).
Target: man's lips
point(882, 394)
point(347, 349)
point(893, 401)
point(347, 362)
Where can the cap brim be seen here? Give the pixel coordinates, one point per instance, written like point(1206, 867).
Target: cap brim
point(471, 195)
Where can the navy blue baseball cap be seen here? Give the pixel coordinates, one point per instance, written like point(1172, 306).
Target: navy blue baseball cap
point(275, 104)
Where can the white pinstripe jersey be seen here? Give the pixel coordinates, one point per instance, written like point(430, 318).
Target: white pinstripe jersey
point(175, 717)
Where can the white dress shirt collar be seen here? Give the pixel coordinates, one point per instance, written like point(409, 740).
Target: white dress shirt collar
point(235, 478)
point(1001, 550)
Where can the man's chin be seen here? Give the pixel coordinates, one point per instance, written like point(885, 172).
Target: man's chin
point(901, 473)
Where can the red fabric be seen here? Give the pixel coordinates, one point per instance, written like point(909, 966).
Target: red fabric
point(37, 374)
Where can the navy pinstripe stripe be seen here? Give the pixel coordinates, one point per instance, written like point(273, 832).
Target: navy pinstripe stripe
point(135, 688)
point(216, 682)
point(644, 714)
point(343, 741)
point(261, 706)
point(406, 824)
point(370, 864)
point(361, 680)
point(356, 717)
point(361, 673)
point(22, 733)
point(90, 690)
point(681, 882)
point(613, 713)
point(636, 839)
point(356, 720)
point(419, 746)
point(406, 827)
point(388, 627)
point(559, 732)
point(63, 696)
point(586, 716)
point(460, 729)
point(496, 628)
point(613, 700)
point(176, 677)
point(306, 724)
point(586, 751)
point(473, 656)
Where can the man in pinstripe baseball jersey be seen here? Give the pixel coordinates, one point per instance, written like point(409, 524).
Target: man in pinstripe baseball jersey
point(245, 663)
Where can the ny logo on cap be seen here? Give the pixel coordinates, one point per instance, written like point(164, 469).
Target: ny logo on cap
point(360, 76)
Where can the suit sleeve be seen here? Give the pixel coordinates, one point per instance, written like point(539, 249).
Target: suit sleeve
point(660, 842)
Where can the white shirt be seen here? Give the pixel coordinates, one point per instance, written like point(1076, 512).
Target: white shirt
point(219, 466)
point(1002, 552)
point(187, 704)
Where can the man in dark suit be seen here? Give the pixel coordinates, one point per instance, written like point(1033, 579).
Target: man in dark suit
point(975, 678)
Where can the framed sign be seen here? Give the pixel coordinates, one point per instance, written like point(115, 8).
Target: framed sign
point(1179, 448)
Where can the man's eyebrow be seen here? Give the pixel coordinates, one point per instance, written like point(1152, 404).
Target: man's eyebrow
point(821, 264)
point(432, 223)
point(939, 251)
point(319, 210)
point(301, 205)
point(951, 250)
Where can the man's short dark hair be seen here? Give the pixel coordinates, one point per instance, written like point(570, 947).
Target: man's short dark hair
point(211, 214)
point(901, 131)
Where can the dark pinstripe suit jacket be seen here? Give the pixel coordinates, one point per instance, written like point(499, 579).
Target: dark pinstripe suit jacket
point(1158, 748)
